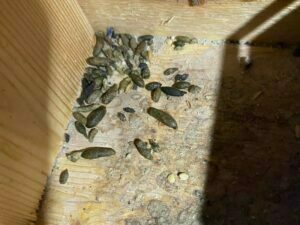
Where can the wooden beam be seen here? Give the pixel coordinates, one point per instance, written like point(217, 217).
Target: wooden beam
point(215, 20)
point(43, 46)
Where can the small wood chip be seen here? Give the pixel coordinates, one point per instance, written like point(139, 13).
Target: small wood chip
point(167, 21)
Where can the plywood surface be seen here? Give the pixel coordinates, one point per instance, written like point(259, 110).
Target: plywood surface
point(215, 20)
point(41, 59)
point(119, 189)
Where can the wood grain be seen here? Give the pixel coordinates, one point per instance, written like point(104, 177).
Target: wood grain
point(215, 20)
point(43, 47)
point(109, 191)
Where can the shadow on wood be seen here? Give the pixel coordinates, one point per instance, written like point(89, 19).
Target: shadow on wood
point(253, 171)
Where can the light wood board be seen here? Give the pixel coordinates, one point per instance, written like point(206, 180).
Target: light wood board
point(111, 191)
point(43, 45)
point(215, 20)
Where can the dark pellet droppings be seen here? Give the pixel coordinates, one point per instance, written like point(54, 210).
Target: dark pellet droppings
point(142, 149)
point(137, 79)
point(145, 72)
point(181, 85)
point(147, 37)
point(95, 116)
point(129, 64)
point(63, 177)
point(129, 110)
point(67, 137)
point(98, 61)
point(133, 44)
point(98, 83)
point(80, 100)
point(170, 71)
point(143, 65)
point(87, 88)
point(150, 42)
point(172, 91)
point(89, 70)
point(146, 55)
point(152, 85)
point(109, 41)
point(97, 152)
point(181, 77)
point(121, 116)
point(79, 117)
point(183, 39)
point(177, 48)
point(129, 36)
point(163, 117)
point(194, 89)
point(85, 108)
point(94, 96)
point(134, 87)
point(80, 128)
point(99, 44)
point(109, 70)
point(108, 53)
point(193, 41)
point(125, 40)
point(124, 84)
point(110, 94)
point(92, 133)
point(99, 73)
point(178, 45)
point(140, 48)
point(155, 94)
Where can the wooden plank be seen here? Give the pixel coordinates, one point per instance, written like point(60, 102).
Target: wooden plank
point(215, 20)
point(109, 191)
point(43, 49)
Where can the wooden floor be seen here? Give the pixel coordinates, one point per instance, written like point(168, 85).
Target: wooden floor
point(121, 189)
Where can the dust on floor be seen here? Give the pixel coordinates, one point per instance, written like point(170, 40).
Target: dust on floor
point(234, 141)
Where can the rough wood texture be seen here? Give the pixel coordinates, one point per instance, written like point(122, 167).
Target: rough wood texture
point(43, 46)
point(215, 20)
point(118, 190)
